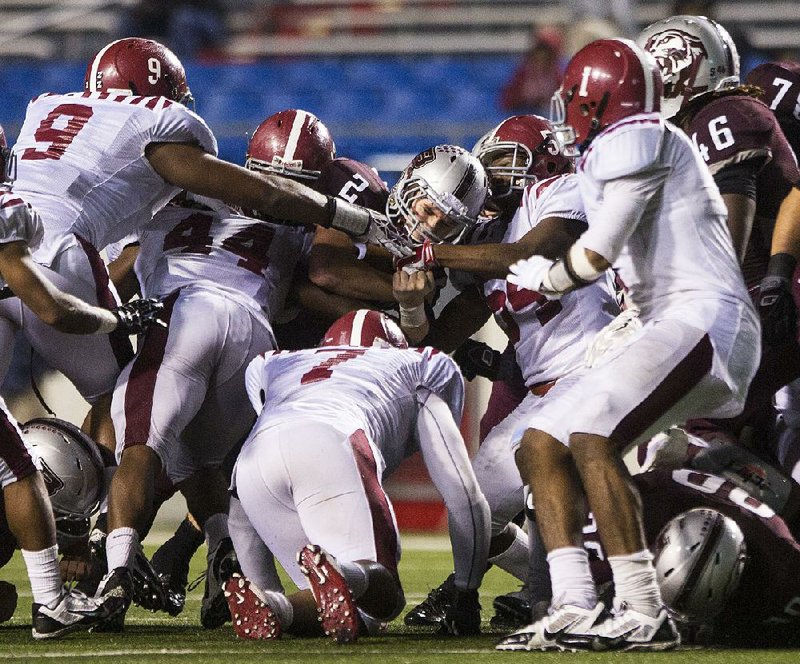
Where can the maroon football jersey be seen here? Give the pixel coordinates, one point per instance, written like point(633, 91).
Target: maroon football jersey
point(769, 590)
point(354, 182)
point(735, 128)
point(780, 82)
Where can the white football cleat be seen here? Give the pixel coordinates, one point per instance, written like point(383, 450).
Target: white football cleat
point(626, 629)
point(548, 632)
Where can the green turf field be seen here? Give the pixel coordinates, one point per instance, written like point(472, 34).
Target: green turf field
point(158, 638)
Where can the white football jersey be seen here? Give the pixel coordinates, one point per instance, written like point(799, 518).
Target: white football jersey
point(550, 337)
point(680, 252)
point(80, 162)
point(355, 388)
point(18, 221)
point(212, 245)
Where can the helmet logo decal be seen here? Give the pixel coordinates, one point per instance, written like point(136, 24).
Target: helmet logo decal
point(52, 482)
point(678, 55)
point(154, 67)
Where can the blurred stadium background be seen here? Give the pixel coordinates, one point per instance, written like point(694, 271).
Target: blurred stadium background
point(388, 77)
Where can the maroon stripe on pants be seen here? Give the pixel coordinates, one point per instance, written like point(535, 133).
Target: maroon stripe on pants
point(12, 449)
point(142, 379)
point(119, 340)
point(686, 374)
point(382, 524)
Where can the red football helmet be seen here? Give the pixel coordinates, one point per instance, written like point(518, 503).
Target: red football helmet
point(518, 151)
point(136, 66)
point(606, 81)
point(365, 328)
point(293, 143)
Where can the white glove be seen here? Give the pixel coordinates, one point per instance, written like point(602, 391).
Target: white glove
point(531, 274)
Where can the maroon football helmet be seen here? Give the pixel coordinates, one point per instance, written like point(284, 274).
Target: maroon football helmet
point(606, 81)
point(527, 144)
point(293, 143)
point(136, 66)
point(365, 328)
point(353, 181)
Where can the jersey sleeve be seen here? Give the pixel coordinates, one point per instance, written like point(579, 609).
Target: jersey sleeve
point(442, 377)
point(556, 197)
point(177, 124)
point(19, 221)
point(626, 148)
point(731, 130)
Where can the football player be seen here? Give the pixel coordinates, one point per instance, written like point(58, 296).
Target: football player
point(780, 82)
point(341, 275)
point(180, 406)
point(367, 402)
point(100, 162)
point(655, 214)
point(28, 511)
point(550, 339)
point(753, 165)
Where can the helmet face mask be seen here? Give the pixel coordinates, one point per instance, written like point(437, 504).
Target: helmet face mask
point(695, 55)
point(137, 66)
point(519, 151)
point(291, 143)
point(439, 196)
point(365, 328)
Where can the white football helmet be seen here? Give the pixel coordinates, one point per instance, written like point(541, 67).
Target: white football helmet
point(453, 180)
point(699, 558)
point(71, 466)
point(695, 55)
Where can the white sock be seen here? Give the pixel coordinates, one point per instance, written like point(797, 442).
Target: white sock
point(515, 559)
point(108, 475)
point(121, 545)
point(216, 530)
point(356, 577)
point(635, 582)
point(43, 573)
point(571, 578)
point(280, 604)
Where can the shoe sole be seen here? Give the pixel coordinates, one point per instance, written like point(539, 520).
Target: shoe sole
point(337, 610)
point(252, 618)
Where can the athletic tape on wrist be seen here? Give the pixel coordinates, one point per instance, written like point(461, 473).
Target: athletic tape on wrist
point(413, 316)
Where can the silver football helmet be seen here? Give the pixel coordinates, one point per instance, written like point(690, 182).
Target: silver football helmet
point(695, 55)
point(699, 558)
point(71, 466)
point(450, 184)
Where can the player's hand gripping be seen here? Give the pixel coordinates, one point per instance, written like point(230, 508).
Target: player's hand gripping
point(777, 310)
point(136, 316)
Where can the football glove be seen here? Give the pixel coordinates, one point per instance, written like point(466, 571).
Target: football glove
point(476, 358)
point(136, 316)
point(531, 274)
point(777, 310)
point(423, 258)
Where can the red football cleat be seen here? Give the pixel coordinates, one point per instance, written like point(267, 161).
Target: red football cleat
point(252, 617)
point(337, 610)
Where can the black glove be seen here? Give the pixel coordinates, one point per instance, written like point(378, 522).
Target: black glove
point(476, 358)
point(463, 617)
point(777, 310)
point(137, 315)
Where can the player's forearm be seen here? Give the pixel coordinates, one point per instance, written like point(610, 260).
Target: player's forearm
point(786, 236)
point(489, 261)
point(340, 274)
